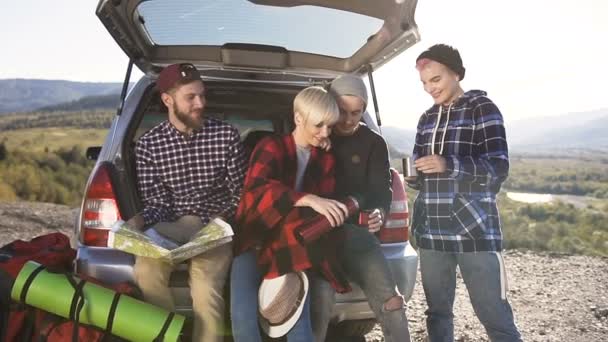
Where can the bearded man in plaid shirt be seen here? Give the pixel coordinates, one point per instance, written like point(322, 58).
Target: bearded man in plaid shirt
point(189, 169)
point(462, 159)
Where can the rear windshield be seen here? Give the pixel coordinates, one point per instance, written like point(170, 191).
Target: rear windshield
point(309, 29)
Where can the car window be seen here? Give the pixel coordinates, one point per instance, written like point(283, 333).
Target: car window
point(214, 22)
point(245, 126)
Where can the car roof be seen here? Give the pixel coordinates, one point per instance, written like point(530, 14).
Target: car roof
point(309, 37)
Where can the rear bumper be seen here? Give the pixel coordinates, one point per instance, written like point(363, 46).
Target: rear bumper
point(106, 264)
point(113, 266)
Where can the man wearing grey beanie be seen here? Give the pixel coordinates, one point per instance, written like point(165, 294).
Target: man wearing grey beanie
point(362, 169)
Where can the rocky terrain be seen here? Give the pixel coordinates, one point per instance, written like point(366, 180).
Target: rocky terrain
point(25, 220)
point(554, 297)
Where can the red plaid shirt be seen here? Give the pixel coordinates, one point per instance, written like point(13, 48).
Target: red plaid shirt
point(267, 217)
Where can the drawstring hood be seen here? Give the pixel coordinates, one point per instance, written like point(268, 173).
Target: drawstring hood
point(461, 100)
point(445, 129)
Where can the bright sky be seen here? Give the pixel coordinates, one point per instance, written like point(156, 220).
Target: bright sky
point(534, 58)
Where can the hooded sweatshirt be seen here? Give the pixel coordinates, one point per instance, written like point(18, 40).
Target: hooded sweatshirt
point(456, 211)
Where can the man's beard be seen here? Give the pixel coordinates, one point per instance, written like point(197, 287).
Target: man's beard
point(186, 119)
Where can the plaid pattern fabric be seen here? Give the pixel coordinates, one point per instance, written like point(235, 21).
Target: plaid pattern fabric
point(266, 218)
point(456, 211)
point(199, 175)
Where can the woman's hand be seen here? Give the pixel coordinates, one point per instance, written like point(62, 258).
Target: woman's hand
point(431, 164)
point(335, 211)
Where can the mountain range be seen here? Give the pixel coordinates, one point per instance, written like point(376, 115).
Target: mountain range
point(582, 130)
point(572, 131)
point(26, 95)
point(109, 101)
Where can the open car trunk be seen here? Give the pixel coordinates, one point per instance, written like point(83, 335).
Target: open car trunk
point(311, 37)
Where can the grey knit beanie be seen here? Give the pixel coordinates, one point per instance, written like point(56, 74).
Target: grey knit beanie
point(349, 85)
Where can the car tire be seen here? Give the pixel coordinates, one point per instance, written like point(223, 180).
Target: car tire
point(354, 330)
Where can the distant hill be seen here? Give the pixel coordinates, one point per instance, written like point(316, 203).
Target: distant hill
point(24, 95)
point(584, 130)
point(570, 133)
point(400, 139)
point(86, 103)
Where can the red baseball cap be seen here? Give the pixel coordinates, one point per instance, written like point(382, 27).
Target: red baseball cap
point(181, 72)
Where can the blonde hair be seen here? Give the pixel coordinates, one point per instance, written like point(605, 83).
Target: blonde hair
point(316, 104)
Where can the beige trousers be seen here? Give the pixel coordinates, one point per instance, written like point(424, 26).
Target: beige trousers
point(208, 273)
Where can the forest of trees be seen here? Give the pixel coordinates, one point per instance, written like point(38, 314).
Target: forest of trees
point(574, 176)
point(57, 177)
point(30, 173)
point(555, 227)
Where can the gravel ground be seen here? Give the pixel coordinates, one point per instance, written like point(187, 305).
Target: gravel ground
point(25, 220)
point(554, 297)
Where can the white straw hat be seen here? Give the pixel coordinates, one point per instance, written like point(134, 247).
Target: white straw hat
point(281, 301)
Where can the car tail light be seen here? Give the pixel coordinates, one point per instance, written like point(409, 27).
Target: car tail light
point(396, 228)
point(99, 208)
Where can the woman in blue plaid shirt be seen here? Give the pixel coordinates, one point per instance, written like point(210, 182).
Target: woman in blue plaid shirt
point(462, 159)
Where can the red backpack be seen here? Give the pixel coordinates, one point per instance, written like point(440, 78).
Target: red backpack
point(20, 322)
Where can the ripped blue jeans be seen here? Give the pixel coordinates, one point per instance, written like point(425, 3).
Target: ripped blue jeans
point(366, 266)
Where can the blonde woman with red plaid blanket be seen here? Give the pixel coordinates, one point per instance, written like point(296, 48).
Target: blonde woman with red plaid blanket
point(290, 179)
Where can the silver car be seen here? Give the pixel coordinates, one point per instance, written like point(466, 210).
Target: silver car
point(254, 56)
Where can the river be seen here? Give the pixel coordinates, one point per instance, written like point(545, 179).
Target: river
point(527, 197)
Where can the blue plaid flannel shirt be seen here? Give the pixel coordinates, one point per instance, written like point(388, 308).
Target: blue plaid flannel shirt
point(456, 211)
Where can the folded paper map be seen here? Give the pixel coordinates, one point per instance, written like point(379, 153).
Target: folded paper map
point(153, 245)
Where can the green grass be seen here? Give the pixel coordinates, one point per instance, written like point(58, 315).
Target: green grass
point(53, 138)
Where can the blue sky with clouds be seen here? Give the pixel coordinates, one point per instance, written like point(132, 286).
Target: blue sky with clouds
point(535, 58)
